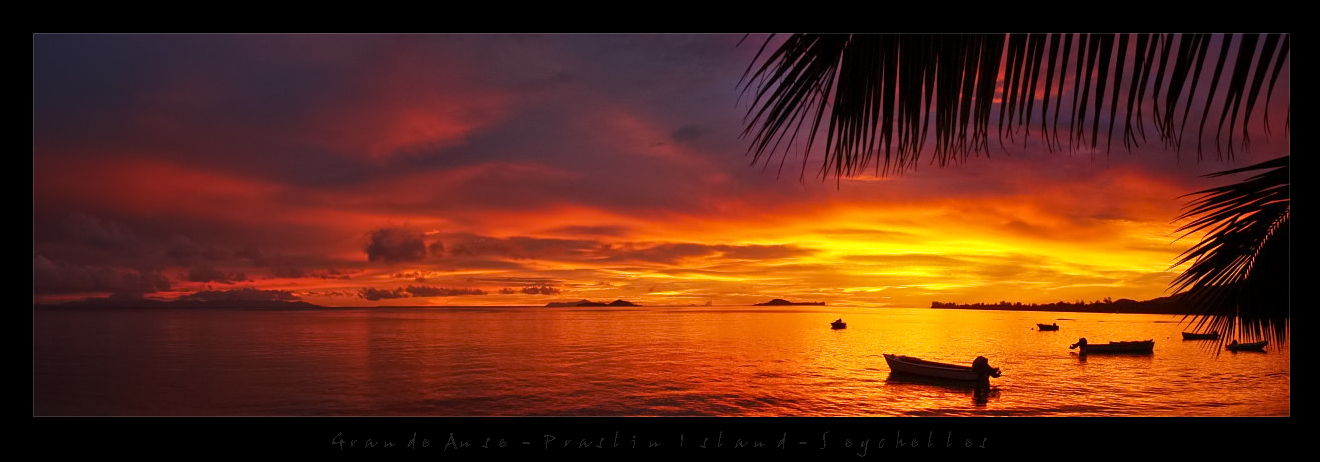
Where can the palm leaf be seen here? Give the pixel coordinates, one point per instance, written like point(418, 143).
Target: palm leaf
point(860, 92)
point(1238, 276)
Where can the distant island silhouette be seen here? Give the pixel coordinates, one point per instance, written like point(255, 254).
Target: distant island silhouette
point(591, 303)
point(782, 302)
point(1162, 305)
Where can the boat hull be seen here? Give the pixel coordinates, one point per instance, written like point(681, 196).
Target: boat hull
point(1195, 336)
point(1134, 348)
point(1047, 327)
point(838, 325)
point(913, 366)
point(1255, 346)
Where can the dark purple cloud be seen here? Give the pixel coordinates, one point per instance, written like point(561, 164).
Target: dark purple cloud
point(416, 291)
point(103, 235)
point(287, 272)
point(372, 293)
point(436, 248)
point(52, 277)
point(429, 291)
point(246, 294)
point(184, 250)
point(540, 290)
point(298, 272)
point(210, 274)
point(395, 245)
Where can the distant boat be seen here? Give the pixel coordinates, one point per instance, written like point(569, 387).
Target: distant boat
point(1132, 347)
point(839, 324)
point(1253, 346)
point(1054, 326)
point(1205, 336)
point(914, 366)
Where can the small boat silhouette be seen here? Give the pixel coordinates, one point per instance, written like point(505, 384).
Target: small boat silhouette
point(1253, 346)
point(1130, 347)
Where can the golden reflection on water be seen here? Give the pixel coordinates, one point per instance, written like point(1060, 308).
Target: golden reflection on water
point(734, 361)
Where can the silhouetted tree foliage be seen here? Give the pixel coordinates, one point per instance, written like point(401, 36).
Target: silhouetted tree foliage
point(877, 100)
point(1163, 305)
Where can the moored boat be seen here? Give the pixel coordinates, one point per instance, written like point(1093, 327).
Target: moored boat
point(915, 366)
point(1130, 347)
point(1054, 326)
point(839, 324)
point(1253, 346)
point(1204, 336)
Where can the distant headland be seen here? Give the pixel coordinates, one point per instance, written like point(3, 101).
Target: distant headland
point(1162, 305)
point(782, 302)
point(591, 303)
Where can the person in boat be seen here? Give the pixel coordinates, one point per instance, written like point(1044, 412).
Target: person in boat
point(1081, 342)
point(981, 366)
point(838, 321)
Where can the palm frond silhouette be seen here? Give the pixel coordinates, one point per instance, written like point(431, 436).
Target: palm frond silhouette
point(875, 102)
point(1238, 278)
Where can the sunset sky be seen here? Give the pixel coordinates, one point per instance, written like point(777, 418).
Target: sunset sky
point(365, 170)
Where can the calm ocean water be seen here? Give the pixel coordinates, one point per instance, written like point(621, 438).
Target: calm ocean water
point(635, 361)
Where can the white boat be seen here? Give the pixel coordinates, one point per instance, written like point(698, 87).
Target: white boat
point(915, 366)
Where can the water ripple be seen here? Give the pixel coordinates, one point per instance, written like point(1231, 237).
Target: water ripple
point(643, 362)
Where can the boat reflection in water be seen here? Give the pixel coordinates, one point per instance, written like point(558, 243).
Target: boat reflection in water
point(980, 395)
